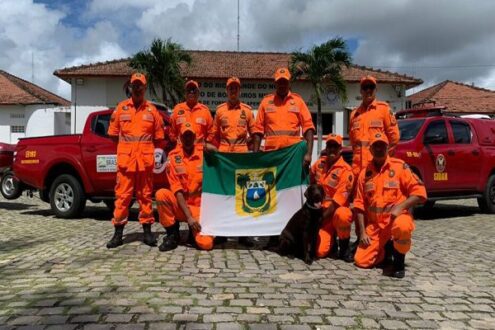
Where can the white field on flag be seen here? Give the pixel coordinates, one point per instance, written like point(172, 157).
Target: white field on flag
point(252, 194)
point(218, 220)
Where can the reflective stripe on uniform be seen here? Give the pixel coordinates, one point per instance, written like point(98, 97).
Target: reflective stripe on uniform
point(130, 138)
point(282, 133)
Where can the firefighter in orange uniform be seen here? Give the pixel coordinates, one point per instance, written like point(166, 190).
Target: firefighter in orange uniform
point(232, 127)
point(182, 202)
point(386, 189)
point(136, 125)
point(369, 118)
point(193, 112)
point(281, 119)
point(336, 178)
point(233, 123)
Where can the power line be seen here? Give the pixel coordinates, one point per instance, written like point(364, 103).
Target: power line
point(414, 67)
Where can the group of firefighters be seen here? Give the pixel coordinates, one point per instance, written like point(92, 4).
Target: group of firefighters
point(381, 188)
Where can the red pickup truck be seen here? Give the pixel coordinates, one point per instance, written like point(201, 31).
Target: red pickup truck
point(454, 156)
point(70, 169)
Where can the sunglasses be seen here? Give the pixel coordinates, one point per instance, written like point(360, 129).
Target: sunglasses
point(191, 90)
point(368, 87)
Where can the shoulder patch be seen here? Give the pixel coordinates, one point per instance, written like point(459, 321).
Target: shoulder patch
point(405, 166)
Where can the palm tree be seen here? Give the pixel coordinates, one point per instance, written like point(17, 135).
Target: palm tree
point(323, 65)
point(162, 66)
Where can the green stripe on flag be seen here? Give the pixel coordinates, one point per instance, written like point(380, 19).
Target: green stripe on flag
point(219, 169)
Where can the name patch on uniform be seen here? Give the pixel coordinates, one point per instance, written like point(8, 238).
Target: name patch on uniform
point(356, 125)
point(201, 121)
point(376, 124)
point(294, 109)
point(180, 120)
point(125, 117)
point(242, 122)
point(369, 186)
point(391, 184)
point(225, 122)
point(270, 109)
point(180, 170)
point(148, 117)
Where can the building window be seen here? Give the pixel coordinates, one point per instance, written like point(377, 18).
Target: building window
point(16, 115)
point(17, 129)
point(327, 122)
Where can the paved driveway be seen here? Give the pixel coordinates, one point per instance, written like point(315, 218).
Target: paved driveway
point(57, 273)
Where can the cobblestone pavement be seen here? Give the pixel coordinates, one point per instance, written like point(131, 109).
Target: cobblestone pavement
point(57, 273)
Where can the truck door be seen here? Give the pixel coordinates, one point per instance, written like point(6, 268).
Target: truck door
point(435, 156)
point(464, 156)
point(99, 155)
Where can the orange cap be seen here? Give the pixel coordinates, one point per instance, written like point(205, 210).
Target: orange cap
point(233, 80)
point(379, 137)
point(335, 138)
point(368, 79)
point(191, 82)
point(282, 73)
point(138, 77)
point(186, 127)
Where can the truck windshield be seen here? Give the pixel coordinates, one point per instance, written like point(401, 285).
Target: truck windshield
point(409, 128)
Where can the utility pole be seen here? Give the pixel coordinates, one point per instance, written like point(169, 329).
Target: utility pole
point(238, 19)
point(32, 67)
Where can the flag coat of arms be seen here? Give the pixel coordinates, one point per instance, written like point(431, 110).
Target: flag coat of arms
point(252, 194)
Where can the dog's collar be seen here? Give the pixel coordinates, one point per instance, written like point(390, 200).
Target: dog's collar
point(311, 207)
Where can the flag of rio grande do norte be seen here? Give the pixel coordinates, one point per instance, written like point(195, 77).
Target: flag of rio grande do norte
point(252, 194)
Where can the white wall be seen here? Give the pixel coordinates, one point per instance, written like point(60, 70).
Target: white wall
point(6, 122)
point(41, 120)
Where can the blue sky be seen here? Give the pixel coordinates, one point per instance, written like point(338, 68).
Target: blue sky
point(431, 40)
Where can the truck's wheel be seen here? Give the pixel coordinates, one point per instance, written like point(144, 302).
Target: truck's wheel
point(67, 198)
point(11, 188)
point(487, 202)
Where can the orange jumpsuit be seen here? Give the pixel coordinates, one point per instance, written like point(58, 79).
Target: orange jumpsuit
point(365, 123)
point(280, 121)
point(199, 116)
point(376, 194)
point(184, 174)
point(231, 127)
point(337, 182)
point(136, 129)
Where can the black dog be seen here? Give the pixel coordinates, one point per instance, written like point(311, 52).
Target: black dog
point(299, 235)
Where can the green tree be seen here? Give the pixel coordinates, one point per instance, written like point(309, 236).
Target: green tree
point(322, 65)
point(162, 65)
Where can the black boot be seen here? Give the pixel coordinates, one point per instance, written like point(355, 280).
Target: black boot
point(171, 241)
point(344, 251)
point(148, 237)
point(389, 252)
point(246, 241)
point(116, 238)
point(399, 266)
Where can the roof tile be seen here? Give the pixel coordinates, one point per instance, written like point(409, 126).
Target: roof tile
point(457, 97)
point(14, 90)
point(224, 64)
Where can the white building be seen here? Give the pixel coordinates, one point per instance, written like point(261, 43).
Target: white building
point(28, 110)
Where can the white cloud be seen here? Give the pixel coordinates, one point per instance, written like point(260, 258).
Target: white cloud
point(432, 40)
